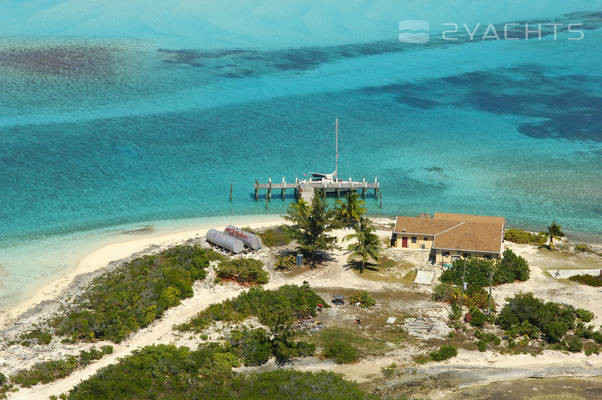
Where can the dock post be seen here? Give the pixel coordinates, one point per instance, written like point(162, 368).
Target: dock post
point(230, 192)
point(283, 190)
point(338, 189)
point(364, 184)
point(256, 189)
point(296, 188)
point(270, 188)
point(266, 200)
point(375, 187)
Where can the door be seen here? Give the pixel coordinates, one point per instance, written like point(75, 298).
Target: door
point(404, 242)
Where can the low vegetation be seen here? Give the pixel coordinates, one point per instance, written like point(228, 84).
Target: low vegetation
point(362, 298)
point(245, 271)
point(48, 371)
point(166, 371)
point(340, 351)
point(524, 237)
point(296, 301)
point(279, 236)
point(445, 352)
point(133, 295)
point(527, 315)
point(39, 336)
point(589, 280)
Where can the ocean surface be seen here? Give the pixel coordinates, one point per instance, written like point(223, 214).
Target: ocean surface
point(116, 115)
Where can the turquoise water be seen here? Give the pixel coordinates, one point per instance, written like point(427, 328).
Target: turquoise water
point(124, 114)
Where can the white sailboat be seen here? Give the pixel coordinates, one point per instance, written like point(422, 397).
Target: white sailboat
point(317, 177)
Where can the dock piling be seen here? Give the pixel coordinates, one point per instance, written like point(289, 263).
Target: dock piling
point(283, 190)
point(230, 192)
point(256, 189)
point(270, 189)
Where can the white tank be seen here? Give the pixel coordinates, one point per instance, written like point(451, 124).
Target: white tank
point(225, 241)
point(249, 239)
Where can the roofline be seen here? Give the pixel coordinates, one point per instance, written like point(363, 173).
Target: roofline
point(415, 233)
point(467, 250)
point(422, 233)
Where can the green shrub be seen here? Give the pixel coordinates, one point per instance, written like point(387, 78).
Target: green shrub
point(389, 371)
point(476, 275)
point(243, 270)
point(39, 335)
point(45, 372)
point(363, 298)
point(482, 346)
point(443, 292)
point(254, 346)
point(3, 379)
point(478, 318)
point(169, 372)
point(511, 268)
point(340, 351)
point(525, 311)
point(445, 352)
point(279, 236)
point(584, 248)
point(589, 280)
point(574, 344)
point(584, 315)
point(298, 301)
point(524, 237)
point(133, 295)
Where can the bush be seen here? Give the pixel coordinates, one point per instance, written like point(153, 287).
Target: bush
point(525, 311)
point(584, 248)
point(169, 372)
point(574, 344)
point(49, 371)
point(243, 270)
point(445, 352)
point(511, 268)
point(584, 315)
point(524, 237)
point(279, 236)
point(478, 318)
point(298, 301)
point(589, 280)
point(481, 345)
point(254, 346)
point(363, 298)
point(443, 292)
point(476, 274)
point(38, 335)
point(3, 379)
point(133, 295)
point(341, 351)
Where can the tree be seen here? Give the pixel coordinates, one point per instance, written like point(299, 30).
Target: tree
point(311, 225)
point(349, 213)
point(554, 232)
point(366, 241)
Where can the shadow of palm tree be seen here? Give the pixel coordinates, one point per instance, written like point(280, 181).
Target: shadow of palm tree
point(357, 265)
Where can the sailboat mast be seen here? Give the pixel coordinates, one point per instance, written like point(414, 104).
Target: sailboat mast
point(336, 138)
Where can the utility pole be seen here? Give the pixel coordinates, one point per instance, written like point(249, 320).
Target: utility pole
point(463, 283)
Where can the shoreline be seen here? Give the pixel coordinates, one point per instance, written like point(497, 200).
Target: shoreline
point(118, 247)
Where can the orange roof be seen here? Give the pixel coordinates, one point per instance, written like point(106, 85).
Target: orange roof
point(470, 218)
point(422, 226)
point(457, 231)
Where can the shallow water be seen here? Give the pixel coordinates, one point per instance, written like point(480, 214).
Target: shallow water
point(152, 117)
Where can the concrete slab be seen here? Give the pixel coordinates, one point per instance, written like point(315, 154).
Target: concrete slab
point(424, 277)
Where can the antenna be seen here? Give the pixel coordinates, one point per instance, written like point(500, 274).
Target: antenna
point(336, 140)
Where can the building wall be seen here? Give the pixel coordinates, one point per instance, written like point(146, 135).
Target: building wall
point(445, 256)
point(421, 241)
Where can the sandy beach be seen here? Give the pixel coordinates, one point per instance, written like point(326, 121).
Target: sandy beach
point(120, 247)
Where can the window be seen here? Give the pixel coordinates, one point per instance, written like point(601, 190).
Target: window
point(466, 255)
point(487, 257)
point(446, 254)
point(422, 246)
point(425, 238)
point(413, 239)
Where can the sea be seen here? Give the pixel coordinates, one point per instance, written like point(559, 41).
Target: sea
point(125, 115)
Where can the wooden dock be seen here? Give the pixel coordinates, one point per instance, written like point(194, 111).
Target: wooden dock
point(306, 189)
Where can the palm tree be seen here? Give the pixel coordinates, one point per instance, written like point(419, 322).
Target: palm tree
point(554, 232)
point(349, 213)
point(366, 243)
